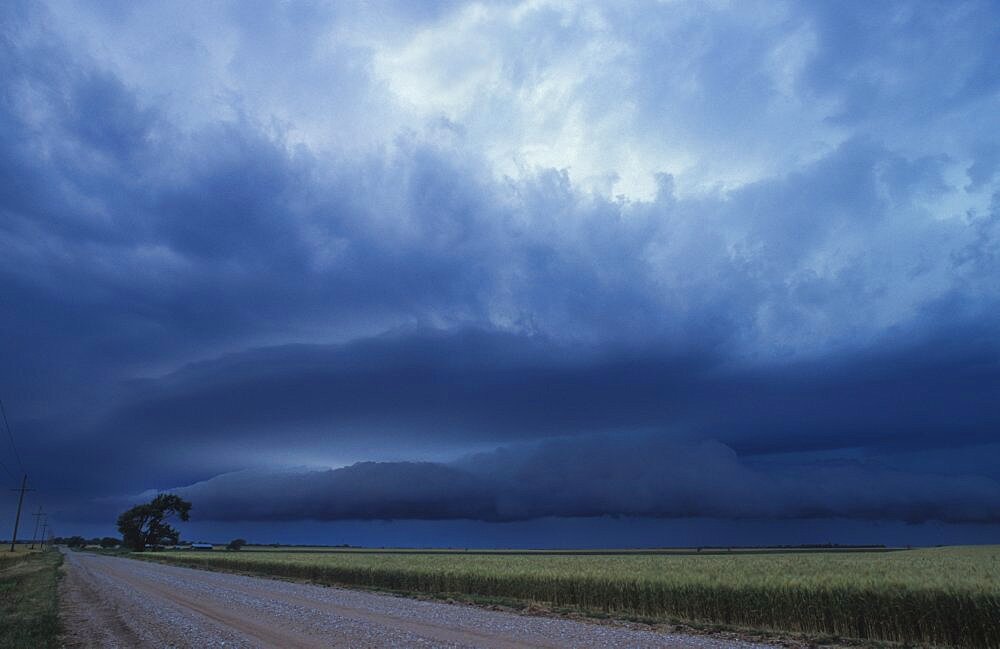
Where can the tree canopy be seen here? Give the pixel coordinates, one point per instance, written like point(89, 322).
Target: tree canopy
point(146, 525)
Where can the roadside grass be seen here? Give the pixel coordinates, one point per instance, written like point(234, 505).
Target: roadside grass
point(21, 551)
point(931, 597)
point(29, 609)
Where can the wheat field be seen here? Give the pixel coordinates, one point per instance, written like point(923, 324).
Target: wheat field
point(945, 596)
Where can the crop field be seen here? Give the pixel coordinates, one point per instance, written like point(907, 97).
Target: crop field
point(594, 551)
point(21, 553)
point(943, 596)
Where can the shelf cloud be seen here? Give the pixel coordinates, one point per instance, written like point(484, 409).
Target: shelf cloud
point(738, 262)
point(597, 476)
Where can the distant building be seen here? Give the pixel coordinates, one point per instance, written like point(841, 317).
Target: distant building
point(201, 546)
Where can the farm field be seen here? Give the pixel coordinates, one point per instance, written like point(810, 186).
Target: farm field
point(28, 606)
point(943, 596)
point(22, 551)
point(561, 552)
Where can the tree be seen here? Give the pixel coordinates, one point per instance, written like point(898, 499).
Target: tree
point(76, 542)
point(110, 542)
point(146, 524)
point(236, 544)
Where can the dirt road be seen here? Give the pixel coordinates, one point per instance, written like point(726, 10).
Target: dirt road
point(111, 602)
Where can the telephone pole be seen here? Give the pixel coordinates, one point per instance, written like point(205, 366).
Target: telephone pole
point(34, 535)
point(20, 501)
point(44, 525)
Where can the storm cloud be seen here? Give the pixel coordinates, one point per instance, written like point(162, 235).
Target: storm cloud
point(592, 477)
point(765, 239)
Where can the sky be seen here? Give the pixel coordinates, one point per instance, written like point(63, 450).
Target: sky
point(516, 274)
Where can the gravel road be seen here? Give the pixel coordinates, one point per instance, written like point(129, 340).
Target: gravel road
point(111, 603)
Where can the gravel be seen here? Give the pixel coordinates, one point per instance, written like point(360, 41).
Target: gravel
point(114, 602)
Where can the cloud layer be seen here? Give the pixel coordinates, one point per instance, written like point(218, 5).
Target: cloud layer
point(253, 237)
point(597, 476)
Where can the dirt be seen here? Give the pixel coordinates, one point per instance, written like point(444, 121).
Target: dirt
point(112, 602)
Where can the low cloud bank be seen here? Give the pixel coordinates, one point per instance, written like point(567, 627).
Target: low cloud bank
point(597, 476)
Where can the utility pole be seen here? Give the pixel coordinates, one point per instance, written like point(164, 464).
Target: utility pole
point(34, 535)
point(44, 525)
point(20, 501)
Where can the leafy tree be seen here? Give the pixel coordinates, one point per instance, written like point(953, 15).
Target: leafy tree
point(110, 542)
point(76, 542)
point(146, 524)
point(236, 544)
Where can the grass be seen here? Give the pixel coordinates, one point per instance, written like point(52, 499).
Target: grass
point(941, 596)
point(29, 611)
point(21, 552)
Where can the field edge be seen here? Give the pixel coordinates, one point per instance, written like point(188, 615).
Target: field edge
point(788, 639)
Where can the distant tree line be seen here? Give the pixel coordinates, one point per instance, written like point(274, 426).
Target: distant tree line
point(145, 527)
point(79, 541)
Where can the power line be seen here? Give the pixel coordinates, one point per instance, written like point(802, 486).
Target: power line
point(10, 436)
point(20, 501)
point(38, 519)
point(24, 484)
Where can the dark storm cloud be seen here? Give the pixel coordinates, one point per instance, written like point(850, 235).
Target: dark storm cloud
point(371, 398)
point(190, 268)
point(589, 477)
point(492, 386)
